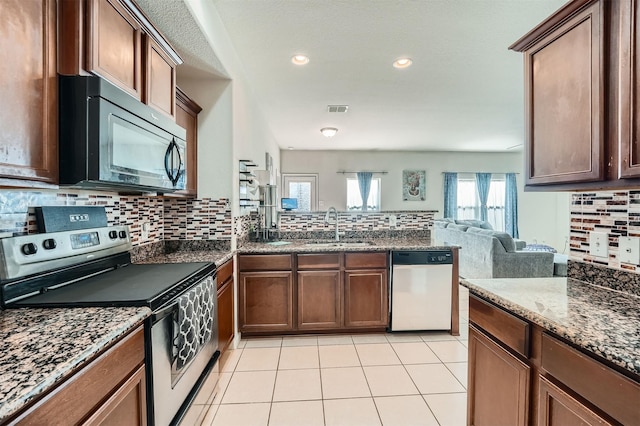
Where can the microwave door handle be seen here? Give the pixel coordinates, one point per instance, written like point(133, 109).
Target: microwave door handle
point(180, 164)
point(168, 162)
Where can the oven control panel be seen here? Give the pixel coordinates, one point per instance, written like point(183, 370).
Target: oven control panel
point(28, 254)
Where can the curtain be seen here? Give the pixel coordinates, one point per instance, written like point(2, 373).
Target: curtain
point(511, 205)
point(451, 195)
point(364, 182)
point(483, 182)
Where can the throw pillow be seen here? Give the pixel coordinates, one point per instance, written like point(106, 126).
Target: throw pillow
point(539, 247)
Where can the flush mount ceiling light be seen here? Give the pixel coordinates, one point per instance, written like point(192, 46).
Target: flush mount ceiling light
point(402, 63)
point(300, 59)
point(329, 132)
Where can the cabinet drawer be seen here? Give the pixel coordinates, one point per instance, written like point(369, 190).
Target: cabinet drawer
point(508, 329)
point(225, 272)
point(365, 260)
point(319, 261)
point(264, 262)
point(605, 388)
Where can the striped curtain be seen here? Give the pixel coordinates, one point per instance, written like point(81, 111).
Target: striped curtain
point(511, 205)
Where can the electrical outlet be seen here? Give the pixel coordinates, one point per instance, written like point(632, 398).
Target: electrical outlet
point(145, 230)
point(629, 250)
point(393, 220)
point(599, 244)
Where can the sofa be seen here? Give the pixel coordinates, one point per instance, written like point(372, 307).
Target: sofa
point(485, 253)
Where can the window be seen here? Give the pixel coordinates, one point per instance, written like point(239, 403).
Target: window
point(469, 202)
point(354, 201)
point(302, 187)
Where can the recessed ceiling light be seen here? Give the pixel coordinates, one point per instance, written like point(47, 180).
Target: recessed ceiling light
point(402, 63)
point(329, 132)
point(290, 148)
point(300, 59)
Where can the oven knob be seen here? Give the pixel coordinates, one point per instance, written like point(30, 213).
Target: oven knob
point(123, 234)
point(113, 234)
point(29, 249)
point(49, 244)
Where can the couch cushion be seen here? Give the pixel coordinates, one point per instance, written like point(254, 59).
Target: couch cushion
point(506, 240)
point(475, 223)
point(440, 224)
point(461, 228)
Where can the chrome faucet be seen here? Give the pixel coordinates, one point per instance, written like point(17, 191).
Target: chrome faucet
point(326, 220)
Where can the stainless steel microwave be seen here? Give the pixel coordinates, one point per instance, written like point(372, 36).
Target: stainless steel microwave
point(109, 140)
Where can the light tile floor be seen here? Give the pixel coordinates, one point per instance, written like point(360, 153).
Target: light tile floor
point(402, 379)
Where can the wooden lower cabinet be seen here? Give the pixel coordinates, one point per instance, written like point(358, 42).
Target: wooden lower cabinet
point(366, 301)
point(266, 301)
point(110, 390)
point(546, 382)
point(498, 384)
point(557, 408)
point(319, 300)
point(226, 311)
point(309, 292)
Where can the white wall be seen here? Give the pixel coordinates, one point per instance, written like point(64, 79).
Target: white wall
point(245, 126)
point(543, 217)
point(215, 136)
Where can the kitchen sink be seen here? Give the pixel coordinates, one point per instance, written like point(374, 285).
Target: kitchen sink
point(339, 244)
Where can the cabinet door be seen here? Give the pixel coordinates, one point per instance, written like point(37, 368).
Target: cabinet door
point(498, 390)
point(319, 300)
point(160, 79)
point(113, 44)
point(366, 298)
point(127, 405)
point(557, 408)
point(564, 82)
point(629, 77)
point(187, 116)
point(225, 315)
point(266, 301)
point(29, 137)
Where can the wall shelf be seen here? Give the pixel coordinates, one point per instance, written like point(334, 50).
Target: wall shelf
point(245, 178)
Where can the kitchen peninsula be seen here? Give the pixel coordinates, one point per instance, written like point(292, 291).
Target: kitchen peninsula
point(552, 351)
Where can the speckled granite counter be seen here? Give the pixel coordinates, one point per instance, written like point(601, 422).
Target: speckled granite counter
point(310, 246)
point(603, 321)
point(39, 347)
point(186, 256)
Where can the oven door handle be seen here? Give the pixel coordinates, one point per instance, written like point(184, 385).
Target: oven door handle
point(163, 312)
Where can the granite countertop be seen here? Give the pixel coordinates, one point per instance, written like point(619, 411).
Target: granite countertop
point(310, 246)
point(219, 257)
point(31, 363)
point(603, 321)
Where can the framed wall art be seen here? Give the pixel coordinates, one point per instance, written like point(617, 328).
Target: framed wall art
point(414, 185)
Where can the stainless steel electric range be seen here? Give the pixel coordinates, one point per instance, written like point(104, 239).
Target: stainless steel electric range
point(92, 267)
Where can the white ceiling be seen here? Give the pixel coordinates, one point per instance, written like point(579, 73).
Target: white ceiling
point(464, 91)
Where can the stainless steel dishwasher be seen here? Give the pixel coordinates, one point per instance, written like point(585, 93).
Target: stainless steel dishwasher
point(421, 290)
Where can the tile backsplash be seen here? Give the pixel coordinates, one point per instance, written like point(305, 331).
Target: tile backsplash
point(362, 221)
point(616, 213)
point(167, 218)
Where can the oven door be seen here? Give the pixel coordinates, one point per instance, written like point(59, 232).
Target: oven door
point(173, 382)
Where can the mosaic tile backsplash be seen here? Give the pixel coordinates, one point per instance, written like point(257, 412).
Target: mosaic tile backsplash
point(616, 213)
point(167, 218)
point(374, 221)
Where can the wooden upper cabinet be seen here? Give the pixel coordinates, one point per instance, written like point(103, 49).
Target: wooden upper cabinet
point(564, 98)
point(114, 45)
point(29, 138)
point(160, 79)
point(629, 105)
point(116, 40)
point(187, 116)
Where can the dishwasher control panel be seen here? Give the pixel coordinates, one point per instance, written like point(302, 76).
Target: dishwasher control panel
point(422, 257)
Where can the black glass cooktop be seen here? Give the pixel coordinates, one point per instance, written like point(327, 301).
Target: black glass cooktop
point(150, 285)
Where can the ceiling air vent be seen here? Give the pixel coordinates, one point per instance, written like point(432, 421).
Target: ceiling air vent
point(337, 108)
